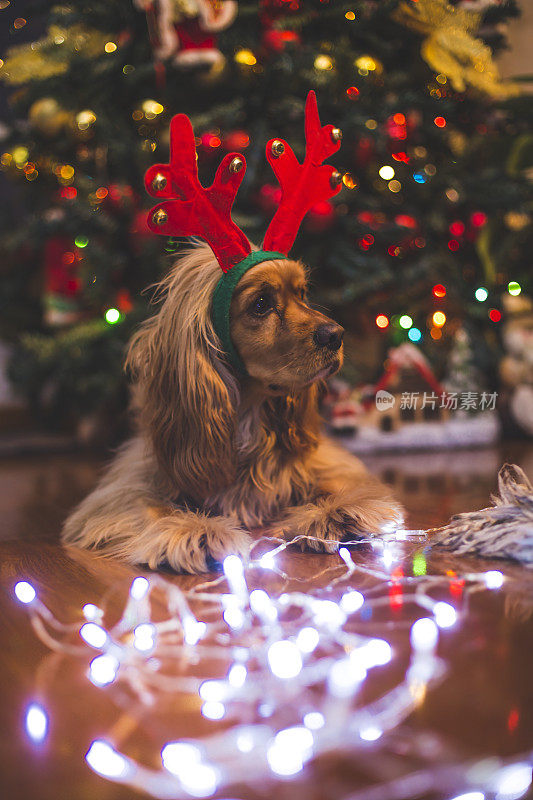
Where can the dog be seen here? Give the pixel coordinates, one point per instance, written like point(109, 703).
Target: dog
point(218, 456)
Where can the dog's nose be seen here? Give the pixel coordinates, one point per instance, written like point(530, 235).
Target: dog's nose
point(329, 335)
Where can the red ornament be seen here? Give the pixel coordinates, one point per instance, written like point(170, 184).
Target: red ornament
point(277, 41)
point(478, 219)
point(495, 315)
point(457, 228)
point(439, 291)
point(406, 221)
point(352, 92)
point(236, 140)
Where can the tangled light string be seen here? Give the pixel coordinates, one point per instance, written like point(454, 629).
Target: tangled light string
point(290, 669)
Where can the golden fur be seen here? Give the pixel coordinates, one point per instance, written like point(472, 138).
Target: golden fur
point(217, 456)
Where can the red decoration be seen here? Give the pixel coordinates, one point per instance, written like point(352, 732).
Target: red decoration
point(457, 228)
point(198, 211)
point(439, 290)
point(62, 284)
point(237, 140)
point(406, 221)
point(478, 219)
point(303, 185)
point(189, 37)
point(276, 41)
point(495, 315)
point(192, 210)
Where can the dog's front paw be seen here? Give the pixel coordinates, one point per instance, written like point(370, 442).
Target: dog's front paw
point(191, 542)
point(337, 518)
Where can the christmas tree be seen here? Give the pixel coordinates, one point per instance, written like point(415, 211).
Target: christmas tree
point(431, 228)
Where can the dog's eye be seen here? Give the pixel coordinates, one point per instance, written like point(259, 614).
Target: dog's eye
point(303, 295)
point(262, 305)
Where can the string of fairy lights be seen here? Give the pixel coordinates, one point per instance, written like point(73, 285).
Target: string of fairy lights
point(278, 674)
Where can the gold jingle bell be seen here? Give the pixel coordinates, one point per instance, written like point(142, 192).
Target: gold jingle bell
point(235, 165)
point(335, 179)
point(277, 148)
point(159, 217)
point(159, 182)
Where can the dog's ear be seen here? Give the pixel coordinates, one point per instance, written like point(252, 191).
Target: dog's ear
point(188, 399)
point(295, 421)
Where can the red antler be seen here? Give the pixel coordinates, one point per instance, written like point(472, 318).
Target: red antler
point(305, 184)
point(192, 210)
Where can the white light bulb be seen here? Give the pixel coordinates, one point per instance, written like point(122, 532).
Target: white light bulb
point(212, 690)
point(424, 635)
point(512, 781)
point(237, 676)
point(314, 720)
point(213, 709)
point(307, 639)
point(285, 659)
point(104, 760)
point(245, 742)
point(234, 617)
point(234, 572)
point(283, 762)
point(470, 796)
point(326, 612)
point(351, 601)
point(193, 630)
point(179, 755)
point(93, 634)
point(144, 637)
point(297, 738)
point(267, 561)
point(200, 781)
point(36, 722)
point(139, 587)
point(92, 612)
point(375, 653)
point(345, 676)
point(25, 592)
point(494, 579)
point(370, 734)
point(445, 615)
point(262, 605)
point(103, 670)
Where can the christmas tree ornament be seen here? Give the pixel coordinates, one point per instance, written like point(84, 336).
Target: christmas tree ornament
point(47, 116)
point(451, 48)
point(189, 209)
point(185, 30)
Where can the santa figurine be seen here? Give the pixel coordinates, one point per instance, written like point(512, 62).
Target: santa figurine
point(186, 30)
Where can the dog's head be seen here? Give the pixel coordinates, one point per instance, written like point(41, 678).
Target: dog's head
point(189, 393)
point(284, 343)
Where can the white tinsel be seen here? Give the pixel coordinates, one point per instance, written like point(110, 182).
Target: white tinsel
point(504, 530)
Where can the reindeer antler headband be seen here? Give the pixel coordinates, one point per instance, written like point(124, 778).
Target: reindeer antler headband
point(189, 209)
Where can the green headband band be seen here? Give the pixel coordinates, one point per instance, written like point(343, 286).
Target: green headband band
point(222, 301)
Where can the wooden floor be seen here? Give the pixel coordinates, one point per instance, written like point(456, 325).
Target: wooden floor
point(483, 708)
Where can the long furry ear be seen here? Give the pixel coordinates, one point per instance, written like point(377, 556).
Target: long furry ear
point(294, 421)
point(188, 398)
